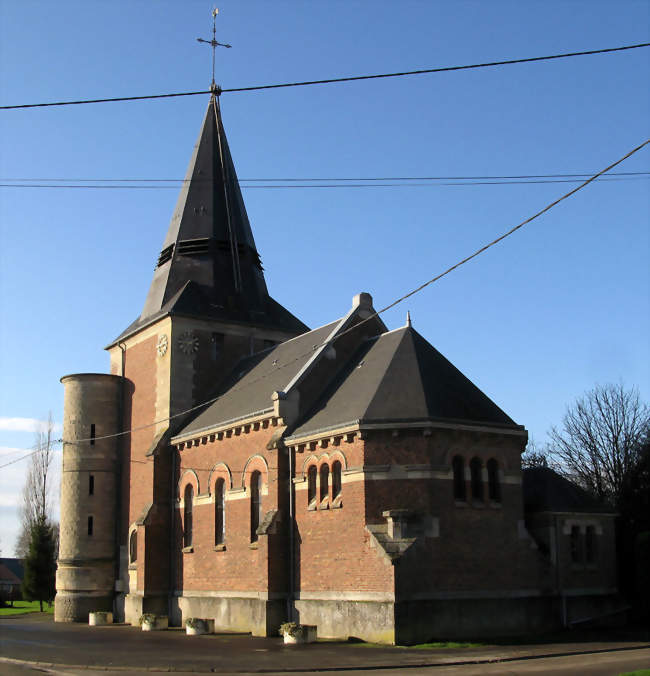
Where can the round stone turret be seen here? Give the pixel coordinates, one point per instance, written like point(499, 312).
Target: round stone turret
point(85, 575)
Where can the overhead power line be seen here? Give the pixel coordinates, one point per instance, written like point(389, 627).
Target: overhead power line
point(330, 178)
point(423, 71)
point(298, 186)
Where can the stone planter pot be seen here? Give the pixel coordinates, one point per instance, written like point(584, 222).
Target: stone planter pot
point(199, 626)
point(303, 633)
point(159, 623)
point(100, 618)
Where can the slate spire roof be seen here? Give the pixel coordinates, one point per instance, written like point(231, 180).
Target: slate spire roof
point(208, 265)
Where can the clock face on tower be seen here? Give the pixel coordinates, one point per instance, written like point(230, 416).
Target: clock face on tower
point(162, 345)
point(188, 342)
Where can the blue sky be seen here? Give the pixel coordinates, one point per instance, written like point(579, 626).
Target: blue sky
point(536, 321)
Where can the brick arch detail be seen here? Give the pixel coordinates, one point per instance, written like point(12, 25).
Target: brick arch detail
point(323, 459)
point(310, 460)
point(191, 477)
point(255, 462)
point(340, 456)
point(219, 471)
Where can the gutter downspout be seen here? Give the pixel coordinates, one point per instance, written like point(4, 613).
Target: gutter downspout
point(558, 577)
point(290, 595)
point(172, 534)
point(118, 477)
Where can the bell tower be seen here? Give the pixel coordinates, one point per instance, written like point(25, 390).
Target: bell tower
point(207, 307)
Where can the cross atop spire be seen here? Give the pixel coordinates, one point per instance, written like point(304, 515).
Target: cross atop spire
point(214, 44)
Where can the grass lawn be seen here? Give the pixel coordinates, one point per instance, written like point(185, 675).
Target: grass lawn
point(21, 607)
point(447, 644)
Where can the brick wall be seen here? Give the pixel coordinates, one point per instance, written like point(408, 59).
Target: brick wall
point(334, 549)
point(237, 566)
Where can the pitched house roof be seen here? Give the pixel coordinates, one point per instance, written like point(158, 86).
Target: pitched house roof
point(250, 386)
point(546, 491)
point(11, 571)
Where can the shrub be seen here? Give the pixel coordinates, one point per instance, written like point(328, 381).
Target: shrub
point(147, 618)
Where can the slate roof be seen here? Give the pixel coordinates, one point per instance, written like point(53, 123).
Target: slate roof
point(546, 491)
point(249, 387)
point(11, 570)
point(209, 266)
point(399, 377)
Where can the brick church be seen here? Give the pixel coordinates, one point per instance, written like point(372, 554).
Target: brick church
point(236, 465)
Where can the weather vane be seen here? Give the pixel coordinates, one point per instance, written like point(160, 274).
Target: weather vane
point(214, 44)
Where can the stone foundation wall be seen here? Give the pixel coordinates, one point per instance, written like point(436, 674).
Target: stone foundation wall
point(260, 617)
point(75, 606)
point(372, 621)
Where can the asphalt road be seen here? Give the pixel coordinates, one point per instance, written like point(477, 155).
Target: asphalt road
point(599, 664)
point(119, 649)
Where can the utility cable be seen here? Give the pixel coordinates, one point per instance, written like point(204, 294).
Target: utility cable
point(29, 452)
point(327, 178)
point(354, 78)
point(457, 265)
point(295, 186)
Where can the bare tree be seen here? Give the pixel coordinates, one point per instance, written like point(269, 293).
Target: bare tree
point(37, 492)
point(533, 456)
point(599, 442)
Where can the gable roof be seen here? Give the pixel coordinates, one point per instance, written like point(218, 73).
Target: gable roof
point(11, 570)
point(399, 377)
point(546, 491)
point(249, 388)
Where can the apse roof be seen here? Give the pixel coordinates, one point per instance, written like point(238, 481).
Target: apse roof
point(399, 377)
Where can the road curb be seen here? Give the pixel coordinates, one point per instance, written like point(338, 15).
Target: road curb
point(449, 662)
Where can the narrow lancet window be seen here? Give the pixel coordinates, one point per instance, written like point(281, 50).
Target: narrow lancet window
point(494, 488)
point(336, 480)
point(91, 484)
point(92, 434)
point(324, 484)
point(219, 512)
point(576, 545)
point(133, 547)
point(458, 466)
point(90, 525)
point(256, 504)
point(311, 486)
point(187, 515)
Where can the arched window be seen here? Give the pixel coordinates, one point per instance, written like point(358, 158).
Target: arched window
point(219, 512)
point(476, 470)
point(256, 503)
point(311, 486)
point(324, 483)
point(133, 547)
point(187, 515)
point(494, 489)
point(576, 545)
point(336, 480)
point(458, 466)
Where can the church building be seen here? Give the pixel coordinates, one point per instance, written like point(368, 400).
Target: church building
point(236, 465)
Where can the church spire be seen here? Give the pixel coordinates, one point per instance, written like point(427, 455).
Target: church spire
point(208, 266)
point(209, 240)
